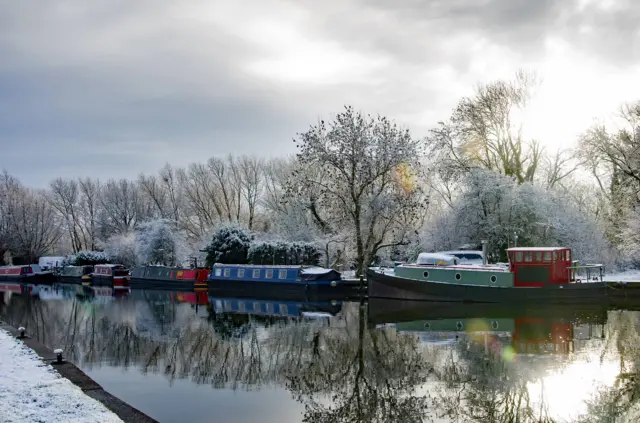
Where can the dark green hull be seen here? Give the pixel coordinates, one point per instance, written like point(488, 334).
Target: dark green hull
point(392, 287)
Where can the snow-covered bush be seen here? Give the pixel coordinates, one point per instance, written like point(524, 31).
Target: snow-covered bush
point(86, 257)
point(160, 242)
point(121, 249)
point(283, 252)
point(229, 244)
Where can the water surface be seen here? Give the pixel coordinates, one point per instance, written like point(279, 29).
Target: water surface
point(181, 356)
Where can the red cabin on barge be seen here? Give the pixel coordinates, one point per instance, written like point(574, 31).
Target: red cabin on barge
point(539, 266)
point(115, 274)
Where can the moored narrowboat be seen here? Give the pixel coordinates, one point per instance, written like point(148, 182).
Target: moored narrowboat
point(534, 274)
point(165, 276)
point(26, 273)
point(76, 274)
point(115, 275)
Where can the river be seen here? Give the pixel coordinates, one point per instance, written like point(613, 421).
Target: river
point(190, 357)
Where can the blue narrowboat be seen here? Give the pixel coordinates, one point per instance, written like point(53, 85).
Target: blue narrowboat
point(275, 274)
point(284, 280)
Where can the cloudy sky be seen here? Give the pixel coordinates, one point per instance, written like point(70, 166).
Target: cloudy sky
point(113, 88)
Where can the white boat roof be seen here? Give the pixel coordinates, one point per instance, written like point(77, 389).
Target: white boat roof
point(461, 252)
point(440, 256)
point(536, 248)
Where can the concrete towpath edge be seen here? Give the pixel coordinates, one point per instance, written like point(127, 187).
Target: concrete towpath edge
point(124, 411)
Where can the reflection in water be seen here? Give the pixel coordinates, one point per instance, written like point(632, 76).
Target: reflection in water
point(343, 362)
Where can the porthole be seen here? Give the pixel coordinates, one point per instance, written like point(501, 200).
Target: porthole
point(494, 324)
point(458, 276)
point(493, 278)
point(425, 274)
point(459, 325)
point(427, 326)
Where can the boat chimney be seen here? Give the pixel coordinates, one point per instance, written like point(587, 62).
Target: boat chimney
point(485, 248)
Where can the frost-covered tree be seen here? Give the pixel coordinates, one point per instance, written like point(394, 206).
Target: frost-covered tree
point(496, 207)
point(365, 179)
point(229, 244)
point(121, 248)
point(160, 242)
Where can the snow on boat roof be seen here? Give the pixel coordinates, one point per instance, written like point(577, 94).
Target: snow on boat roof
point(536, 248)
point(440, 256)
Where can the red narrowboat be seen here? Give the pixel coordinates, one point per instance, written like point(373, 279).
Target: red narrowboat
point(24, 273)
point(111, 274)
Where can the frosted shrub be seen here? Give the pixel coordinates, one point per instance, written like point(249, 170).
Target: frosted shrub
point(82, 258)
point(230, 245)
point(284, 253)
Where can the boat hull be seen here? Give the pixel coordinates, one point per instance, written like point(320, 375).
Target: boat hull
point(45, 278)
point(391, 287)
point(281, 290)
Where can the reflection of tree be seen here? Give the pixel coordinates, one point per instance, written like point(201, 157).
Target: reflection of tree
point(360, 375)
point(478, 386)
point(619, 403)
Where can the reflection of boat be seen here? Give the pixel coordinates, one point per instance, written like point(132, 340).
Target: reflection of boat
point(533, 331)
point(169, 277)
point(385, 311)
point(258, 307)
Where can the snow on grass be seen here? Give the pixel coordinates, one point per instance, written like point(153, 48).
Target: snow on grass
point(32, 391)
point(626, 276)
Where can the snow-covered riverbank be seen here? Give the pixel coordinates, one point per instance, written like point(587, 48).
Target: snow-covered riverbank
point(32, 391)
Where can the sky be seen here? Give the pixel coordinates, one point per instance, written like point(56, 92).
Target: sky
point(113, 88)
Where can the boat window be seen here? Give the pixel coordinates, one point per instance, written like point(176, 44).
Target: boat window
point(493, 278)
point(547, 256)
point(528, 256)
point(282, 274)
point(555, 256)
point(268, 274)
point(537, 256)
point(425, 274)
point(256, 273)
point(270, 308)
point(283, 309)
point(228, 306)
point(568, 255)
point(241, 273)
point(218, 272)
point(227, 272)
point(458, 276)
point(518, 256)
point(241, 306)
point(256, 307)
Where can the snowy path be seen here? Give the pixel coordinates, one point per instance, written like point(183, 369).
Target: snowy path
point(32, 391)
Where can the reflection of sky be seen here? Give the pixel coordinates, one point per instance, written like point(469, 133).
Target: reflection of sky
point(151, 394)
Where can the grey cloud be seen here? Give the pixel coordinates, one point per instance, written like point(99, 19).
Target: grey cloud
point(115, 88)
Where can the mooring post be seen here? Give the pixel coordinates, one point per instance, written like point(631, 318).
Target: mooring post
point(21, 330)
point(58, 353)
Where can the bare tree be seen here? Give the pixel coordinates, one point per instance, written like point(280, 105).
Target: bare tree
point(361, 158)
point(481, 133)
point(65, 198)
point(251, 183)
point(34, 225)
point(90, 203)
point(120, 203)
